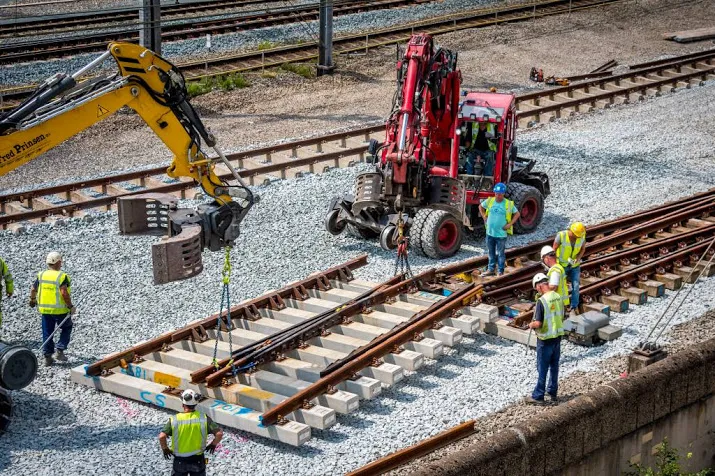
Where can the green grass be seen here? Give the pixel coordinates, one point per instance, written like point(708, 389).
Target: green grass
point(228, 82)
point(300, 69)
point(266, 45)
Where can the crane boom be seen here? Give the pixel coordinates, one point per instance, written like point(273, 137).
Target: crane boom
point(155, 89)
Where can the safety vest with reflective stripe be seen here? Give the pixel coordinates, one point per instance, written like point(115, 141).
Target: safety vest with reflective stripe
point(562, 289)
point(490, 130)
point(49, 298)
point(188, 433)
point(566, 250)
point(553, 325)
point(7, 278)
point(509, 205)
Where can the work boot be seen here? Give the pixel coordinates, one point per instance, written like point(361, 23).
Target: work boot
point(488, 273)
point(532, 401)
point(500, 273)
point(49, 360)
point(60, 355)
point(554, 399)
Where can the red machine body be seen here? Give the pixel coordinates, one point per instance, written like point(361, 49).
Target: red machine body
point(421, 168)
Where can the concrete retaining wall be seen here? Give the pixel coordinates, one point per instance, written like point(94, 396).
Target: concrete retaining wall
point(604, 430)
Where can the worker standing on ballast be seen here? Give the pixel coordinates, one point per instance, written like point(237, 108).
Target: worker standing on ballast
point(555, 273)
point(51, 294)
point(9, 284)
point(569, 246)
point(188, 431)
point(499, 215)
point(548, 325)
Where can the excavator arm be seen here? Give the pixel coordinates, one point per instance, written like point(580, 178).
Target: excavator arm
point(155, 89)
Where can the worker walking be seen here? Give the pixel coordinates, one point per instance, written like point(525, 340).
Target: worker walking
point(569, 246)
point(548, 325)
point(51, 294)
point(556, 274)
point(9, 284)
point(188, 431)
point(499, 215)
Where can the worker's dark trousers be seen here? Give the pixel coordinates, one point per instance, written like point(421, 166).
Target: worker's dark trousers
point(548, 354)
point(194, 466)
point(49, 322)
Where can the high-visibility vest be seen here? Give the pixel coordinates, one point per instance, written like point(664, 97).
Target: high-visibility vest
point(553, 325)
point(6, 277)
point(490, 130)
point(188, 433)
point(509, 205)
point(566, 250)
point(562, 289)
point(49, 298)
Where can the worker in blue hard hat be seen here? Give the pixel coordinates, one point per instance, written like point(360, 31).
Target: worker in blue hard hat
point(499, 215)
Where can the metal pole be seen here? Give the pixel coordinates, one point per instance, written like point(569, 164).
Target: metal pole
point(325, 45)
point(150, 25)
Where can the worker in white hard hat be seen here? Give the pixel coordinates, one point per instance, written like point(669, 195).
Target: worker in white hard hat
point(189, 430)
point(555, 273)
point(548, 325)
point(569, 246)
point(51, 293)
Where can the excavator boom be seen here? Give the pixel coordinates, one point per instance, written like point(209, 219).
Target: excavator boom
point(154, 88)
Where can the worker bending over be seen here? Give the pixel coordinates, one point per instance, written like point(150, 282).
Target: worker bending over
point(188, 431)
point(499, 215)
point(569, 246)
point(51, 294)
point(548, 325)
point(555, 273)
point(482, 148)
point(9, 284)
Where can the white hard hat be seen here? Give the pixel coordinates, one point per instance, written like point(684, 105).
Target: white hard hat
point(53, 258)
point(189, 398)
point(546, 250)
point(539, 278)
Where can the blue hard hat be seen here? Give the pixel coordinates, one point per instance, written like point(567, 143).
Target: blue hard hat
point(500, 188)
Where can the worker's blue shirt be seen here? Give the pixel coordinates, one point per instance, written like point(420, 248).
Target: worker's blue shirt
point(496, 219)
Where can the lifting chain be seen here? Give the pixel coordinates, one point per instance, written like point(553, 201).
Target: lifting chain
point(225, 299)
point(402, 263)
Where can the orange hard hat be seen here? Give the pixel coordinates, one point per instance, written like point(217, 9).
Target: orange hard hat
point(578, 229)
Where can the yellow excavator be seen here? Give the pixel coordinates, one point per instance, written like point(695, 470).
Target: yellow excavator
point(153, 87)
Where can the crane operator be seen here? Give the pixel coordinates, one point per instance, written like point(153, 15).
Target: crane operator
point(482, 148)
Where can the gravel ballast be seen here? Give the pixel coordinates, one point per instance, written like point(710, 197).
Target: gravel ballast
point(601, 166)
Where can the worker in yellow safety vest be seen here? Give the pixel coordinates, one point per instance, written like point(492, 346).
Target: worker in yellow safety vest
point(499, 215)
point(9, 284)
point(51, 294)
point(548, 324)
point(569, 246)
point(189, 430)
point(555, 273)
point(482, 148)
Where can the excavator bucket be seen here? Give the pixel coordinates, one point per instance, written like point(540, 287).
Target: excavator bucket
point(178, 255)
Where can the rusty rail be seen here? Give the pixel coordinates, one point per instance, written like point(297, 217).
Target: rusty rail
point(245, 310)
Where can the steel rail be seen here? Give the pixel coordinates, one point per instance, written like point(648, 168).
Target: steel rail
point(246, 310)
point(424, 447)
point(376, 349)
point(54, 48)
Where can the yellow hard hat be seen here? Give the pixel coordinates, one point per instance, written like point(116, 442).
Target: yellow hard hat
point(578, 229)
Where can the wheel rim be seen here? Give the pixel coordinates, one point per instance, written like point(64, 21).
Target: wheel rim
point(447, 235)
point(529, 212)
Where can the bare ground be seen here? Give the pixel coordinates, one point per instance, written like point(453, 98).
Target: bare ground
point(289, 106)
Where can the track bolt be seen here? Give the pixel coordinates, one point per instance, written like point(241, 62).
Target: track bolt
point(625, 262)
point(678, 263)
point(642, 277)
point(606, 292)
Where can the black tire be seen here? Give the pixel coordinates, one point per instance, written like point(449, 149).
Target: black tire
point(530, 203)
point(387, 237)
point(357, 232)
point(331, 223)
point(442, 235)
point(479, 230)
point(415, 232)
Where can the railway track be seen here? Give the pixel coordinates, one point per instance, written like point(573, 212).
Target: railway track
point(25, 51)
point(308, 51)
point(294, 359)
point(335, 150)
